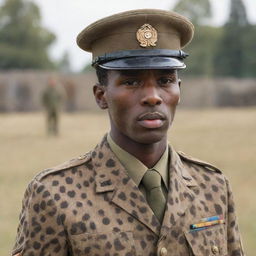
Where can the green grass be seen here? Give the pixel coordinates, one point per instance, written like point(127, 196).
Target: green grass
point(224, 137)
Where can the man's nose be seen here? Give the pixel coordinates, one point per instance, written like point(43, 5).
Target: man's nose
point(151, 96)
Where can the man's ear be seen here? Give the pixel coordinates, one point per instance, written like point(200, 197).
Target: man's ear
point(99, 94)
point(179, 83)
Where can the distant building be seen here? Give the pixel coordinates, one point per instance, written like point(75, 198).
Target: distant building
point(22, 90)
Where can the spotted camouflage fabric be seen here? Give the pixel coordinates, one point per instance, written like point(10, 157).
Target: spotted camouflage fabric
point(89, 206)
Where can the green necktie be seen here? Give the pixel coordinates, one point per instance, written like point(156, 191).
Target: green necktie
point(155, 197)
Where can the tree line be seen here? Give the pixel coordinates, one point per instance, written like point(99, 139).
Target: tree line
point(226, 51)
point(24, 42)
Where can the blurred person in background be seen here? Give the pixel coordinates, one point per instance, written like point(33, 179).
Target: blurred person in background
point(51, 100)
point(133, 194)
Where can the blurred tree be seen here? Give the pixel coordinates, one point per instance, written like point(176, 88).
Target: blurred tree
point(249, 53)
point(202, 47)
point(87, 68)
point(198, 11)
point(64, 63)
point(238, 14)
point(201, 51)
point(23, 41)
point(235, 55)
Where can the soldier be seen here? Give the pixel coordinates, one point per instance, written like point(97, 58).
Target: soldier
point(51, 100)
point(133, 194)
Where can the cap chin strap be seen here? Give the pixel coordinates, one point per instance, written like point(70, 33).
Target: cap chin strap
point(179, 54)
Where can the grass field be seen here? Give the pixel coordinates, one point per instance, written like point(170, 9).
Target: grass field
point(224, 137)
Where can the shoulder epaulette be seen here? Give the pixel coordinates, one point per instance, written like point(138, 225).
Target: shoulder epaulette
point(66, 165)
point(199, 162)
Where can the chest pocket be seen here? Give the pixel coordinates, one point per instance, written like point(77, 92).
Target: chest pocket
point(118, 243)
point(210, 242)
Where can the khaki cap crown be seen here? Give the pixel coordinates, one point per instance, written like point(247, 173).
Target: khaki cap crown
point(119, 32)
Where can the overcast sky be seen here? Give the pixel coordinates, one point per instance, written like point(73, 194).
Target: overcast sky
point(66, 18)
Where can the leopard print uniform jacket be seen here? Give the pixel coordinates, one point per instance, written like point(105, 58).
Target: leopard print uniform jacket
point(89, 206)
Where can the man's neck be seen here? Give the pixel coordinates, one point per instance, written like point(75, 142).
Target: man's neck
point(148, 154)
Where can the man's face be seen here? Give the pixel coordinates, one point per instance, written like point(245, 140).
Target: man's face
point(141, 103)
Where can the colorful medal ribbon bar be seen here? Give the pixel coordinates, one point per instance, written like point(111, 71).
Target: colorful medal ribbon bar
point(207, 222)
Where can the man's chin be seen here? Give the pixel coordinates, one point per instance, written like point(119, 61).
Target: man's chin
point(150, 137)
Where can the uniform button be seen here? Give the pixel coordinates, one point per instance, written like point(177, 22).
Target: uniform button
point(215, 249)
point(163, 251)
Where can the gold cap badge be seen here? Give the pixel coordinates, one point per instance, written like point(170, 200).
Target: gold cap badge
point(147, 36)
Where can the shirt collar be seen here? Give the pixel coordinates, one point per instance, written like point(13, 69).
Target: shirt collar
point(135, 168)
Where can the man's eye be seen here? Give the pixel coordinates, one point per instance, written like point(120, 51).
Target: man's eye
point(131, 82)
point(166, 81)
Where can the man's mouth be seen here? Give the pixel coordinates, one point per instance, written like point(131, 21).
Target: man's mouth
point(151, 120)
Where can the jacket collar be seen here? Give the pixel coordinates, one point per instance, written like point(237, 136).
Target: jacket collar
point(180, 194)
point(111, 176)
